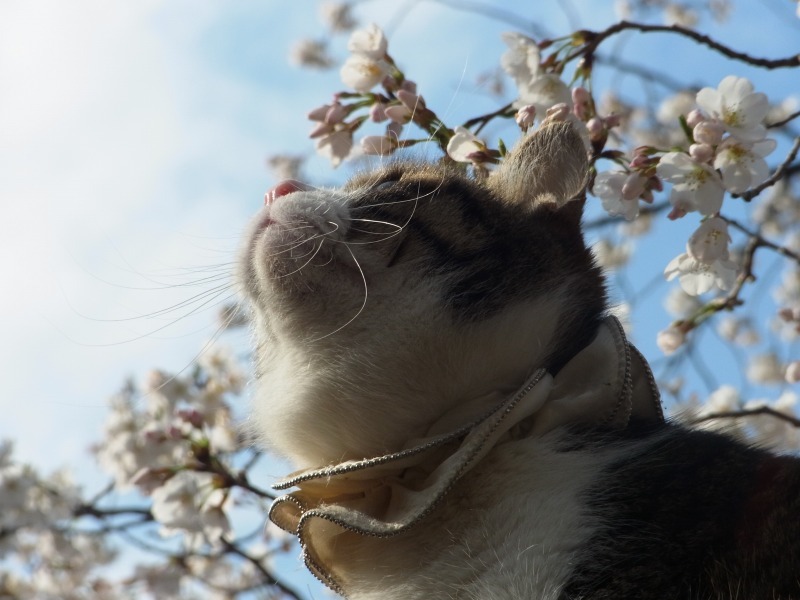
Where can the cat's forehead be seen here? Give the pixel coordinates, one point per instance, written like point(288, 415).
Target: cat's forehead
point(428, 175)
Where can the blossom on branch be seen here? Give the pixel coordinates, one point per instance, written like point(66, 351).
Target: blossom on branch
point(742, 164)
point(737, 106)
point(695, 186)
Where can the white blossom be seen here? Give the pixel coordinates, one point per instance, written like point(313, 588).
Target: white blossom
point(336, 146)
point(544, 92)
point(674, 107)
point(679, 304)
point(521, 60)
point(709, 243)
point(362, 73)
point(610, 255)
point(679, 14)
point(310, 53)
point(337, 16)
point(670, 339)
point(462, 144)
point(765, 368)
point(380, 145)
point(698, 277)
point(792, 374)
point(742, 164)
point(694, 186)
point(608, 187)
point(737, 106)
point(369, 42)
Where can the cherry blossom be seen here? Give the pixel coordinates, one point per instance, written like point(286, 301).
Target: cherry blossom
point(369, 42)
point(737, 106)
point(697, 277)
point(525, 117)
point(337, 16)
point(709, 243)
point(463, 145)
point(310, 53)
point(544, 92)
point(521, 60)
point(336, 146)
point(742, 164)
point(362, 73)
point(695, 186)
point(380, 145)
point(670, 339)
point(608, 186)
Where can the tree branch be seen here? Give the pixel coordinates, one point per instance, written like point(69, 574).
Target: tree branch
point(749, 412)
point(594, 39)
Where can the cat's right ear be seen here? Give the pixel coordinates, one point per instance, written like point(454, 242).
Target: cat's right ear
point(550, 165)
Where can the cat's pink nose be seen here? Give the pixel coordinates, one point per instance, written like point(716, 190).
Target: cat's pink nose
point(287, 186)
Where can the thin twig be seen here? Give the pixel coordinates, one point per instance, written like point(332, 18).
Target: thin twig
point(749, 412)
point(782, 122)
point(269, 577)
point(762, 241)
point(594, 39)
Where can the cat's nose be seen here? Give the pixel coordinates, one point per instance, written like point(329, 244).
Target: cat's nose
point(287, 186)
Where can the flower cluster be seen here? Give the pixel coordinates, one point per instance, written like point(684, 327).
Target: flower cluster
point(398, 104)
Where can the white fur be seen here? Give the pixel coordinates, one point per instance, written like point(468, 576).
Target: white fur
point(509, 530)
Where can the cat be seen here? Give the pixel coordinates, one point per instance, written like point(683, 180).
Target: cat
point(434, 352)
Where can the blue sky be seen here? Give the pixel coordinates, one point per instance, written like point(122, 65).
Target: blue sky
point(133, 139)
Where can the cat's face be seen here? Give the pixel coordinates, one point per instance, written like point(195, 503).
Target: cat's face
point(382, 305)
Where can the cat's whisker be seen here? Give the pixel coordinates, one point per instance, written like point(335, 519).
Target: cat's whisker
point(301, 267)
point(363, 304)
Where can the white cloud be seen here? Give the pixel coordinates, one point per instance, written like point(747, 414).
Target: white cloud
point(108, 115)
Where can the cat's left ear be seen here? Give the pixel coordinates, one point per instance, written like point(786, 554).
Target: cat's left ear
point(550, 165)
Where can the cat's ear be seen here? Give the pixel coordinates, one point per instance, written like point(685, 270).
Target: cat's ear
point(550, 165)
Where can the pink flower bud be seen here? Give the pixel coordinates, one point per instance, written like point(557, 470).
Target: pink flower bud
point(394, 129)
point(633, 186)
point(708, 132)
point(581, 95)
point(557, 112)
point(694, 118)
point(676, 213)
point(175, 432)
point(581, 100)
point(379, 145)
point(191, 416)
point(336, 114)
point(320, 130)
point(655, 183)
point(409, 86)
point(640, 161)
point(410, 100)
point(398, 113)
point(596, 127)
point(701, 153)
point(525, 116)
point(319, 113)
point(377, 112)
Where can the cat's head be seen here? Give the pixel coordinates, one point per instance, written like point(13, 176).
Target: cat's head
point(379, 306)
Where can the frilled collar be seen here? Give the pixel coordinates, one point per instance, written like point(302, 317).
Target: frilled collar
point(606, 383)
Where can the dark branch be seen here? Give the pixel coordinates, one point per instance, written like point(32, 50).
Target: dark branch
point(750, 412)
point(594, 39)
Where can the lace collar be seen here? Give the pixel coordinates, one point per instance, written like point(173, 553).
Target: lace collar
point(606, 383)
